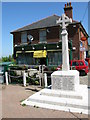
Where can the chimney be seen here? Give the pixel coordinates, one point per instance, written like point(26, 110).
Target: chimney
point(68, 10)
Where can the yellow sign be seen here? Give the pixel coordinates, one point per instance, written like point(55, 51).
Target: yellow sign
point(40, 54)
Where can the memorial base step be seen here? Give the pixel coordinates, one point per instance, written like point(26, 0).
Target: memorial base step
point(59, 100)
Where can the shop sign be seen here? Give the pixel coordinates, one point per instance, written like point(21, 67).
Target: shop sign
point(40, 54)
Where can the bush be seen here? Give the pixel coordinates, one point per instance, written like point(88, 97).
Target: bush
point(36, 82)
point(53, 68)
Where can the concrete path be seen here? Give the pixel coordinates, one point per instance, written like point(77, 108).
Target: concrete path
point(12, 95)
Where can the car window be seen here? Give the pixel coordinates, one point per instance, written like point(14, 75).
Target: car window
point(81, 64)
point(75, 63)
point(86, 63)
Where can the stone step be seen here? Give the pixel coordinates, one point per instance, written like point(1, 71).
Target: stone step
point(56, 107)
point(61, 105)
point(50, 99)
point(59, 101)
point(62, 94)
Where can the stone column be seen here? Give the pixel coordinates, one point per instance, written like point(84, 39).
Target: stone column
point(65, 53)
point(63, 22)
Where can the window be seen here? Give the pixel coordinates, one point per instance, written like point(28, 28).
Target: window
point(54, 58)
point(42, 35)
point(81, 45)
point(81, 64)
point(26, 58)
point(86, 63)
point(75, 64)
point(23, 37)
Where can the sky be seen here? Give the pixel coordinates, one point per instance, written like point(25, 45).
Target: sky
point(19, 14)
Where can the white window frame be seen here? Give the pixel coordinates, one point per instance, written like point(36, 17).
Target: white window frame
point(42, 36)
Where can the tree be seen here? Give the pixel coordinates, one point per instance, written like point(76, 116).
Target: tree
point(7, 59)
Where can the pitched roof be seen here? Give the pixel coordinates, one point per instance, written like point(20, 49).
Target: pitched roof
point(46, 22)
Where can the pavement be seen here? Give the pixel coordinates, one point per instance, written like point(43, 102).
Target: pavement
point(12, 95)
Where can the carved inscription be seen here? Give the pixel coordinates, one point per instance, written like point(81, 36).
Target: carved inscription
point(63, 82)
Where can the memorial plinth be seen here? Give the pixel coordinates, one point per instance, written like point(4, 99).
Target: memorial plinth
point(65, 80)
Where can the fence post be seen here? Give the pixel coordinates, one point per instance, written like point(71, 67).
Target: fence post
point(45, 79)
point(9, 76)
point(43, 66)
point(6, 77)
point(40, 74)
point(24, 79)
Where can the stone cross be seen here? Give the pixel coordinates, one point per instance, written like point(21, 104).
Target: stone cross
point(63, 22)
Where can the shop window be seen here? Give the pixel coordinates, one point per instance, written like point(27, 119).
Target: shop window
point(23, 37)
point(42, 36)
point(26, 59)
point(54, 58)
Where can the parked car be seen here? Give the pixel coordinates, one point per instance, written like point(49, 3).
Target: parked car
point(80, 65)
point(59, 67)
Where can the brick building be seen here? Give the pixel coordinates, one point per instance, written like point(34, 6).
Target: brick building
point(46, 45)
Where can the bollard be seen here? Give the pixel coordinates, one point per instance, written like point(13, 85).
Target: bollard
point(6, 76)
point(45, 79)
point(43, 75)
point(39, 68)
point(24, 79)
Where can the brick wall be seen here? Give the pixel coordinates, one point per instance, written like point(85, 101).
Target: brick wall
point(73, 35)
point(16, 38)
point(52, 36)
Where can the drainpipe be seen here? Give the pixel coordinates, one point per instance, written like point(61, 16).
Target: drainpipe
point(79, 42)
point(71, 50)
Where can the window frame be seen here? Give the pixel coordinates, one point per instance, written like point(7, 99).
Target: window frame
point(24, 39)
point(43, 36)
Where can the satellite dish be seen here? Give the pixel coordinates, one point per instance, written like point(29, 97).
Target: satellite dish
point(30, 37)
point(48, 30)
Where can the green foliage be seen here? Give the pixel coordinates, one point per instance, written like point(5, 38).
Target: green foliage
point(22, 100)
point(53, 68)
point(36, 83)
point(8, 59)
point(23, 104)
point(15, 80)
